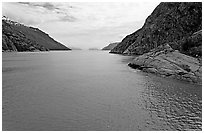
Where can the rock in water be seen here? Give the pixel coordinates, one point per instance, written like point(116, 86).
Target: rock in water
point(167, 62)
point(169, 22)
point(18, 37)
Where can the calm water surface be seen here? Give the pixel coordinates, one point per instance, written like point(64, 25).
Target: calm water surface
point(92, 90)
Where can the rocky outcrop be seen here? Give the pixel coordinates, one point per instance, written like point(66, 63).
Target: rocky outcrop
point(169, 22)
point(168, 62)
point(18, 37)
point(110, 46)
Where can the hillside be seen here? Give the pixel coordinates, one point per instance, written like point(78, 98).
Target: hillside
point(110, 46)
point(169, 22)
point(18, 37)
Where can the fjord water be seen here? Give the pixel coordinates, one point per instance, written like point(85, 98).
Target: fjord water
point(92, 90)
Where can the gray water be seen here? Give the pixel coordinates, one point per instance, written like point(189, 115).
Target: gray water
point(92, 90)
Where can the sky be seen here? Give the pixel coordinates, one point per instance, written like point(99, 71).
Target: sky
point(82, 24)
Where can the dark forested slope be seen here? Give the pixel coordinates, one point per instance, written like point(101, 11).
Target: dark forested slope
point(18, 37)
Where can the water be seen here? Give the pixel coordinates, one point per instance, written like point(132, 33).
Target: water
point(92, 90)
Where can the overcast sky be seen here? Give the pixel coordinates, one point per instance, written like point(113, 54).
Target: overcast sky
point(83, 24)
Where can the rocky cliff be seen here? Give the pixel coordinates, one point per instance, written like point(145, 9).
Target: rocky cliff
point(170, 42)
point(110, 46)
point(169, 22)
point(18, 37)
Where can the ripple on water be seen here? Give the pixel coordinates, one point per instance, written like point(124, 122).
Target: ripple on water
point(175, 106)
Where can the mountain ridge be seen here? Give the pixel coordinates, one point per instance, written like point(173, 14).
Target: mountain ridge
point(110, 46)
point(18, 37)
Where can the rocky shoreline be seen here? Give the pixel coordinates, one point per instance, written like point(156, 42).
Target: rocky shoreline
point(166, 62)
point(169, 43)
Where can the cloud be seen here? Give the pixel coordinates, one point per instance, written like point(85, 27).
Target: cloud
point(35, 13)
point(46, 5)
point(68, 18)
point(26, 3)
point(49, 6)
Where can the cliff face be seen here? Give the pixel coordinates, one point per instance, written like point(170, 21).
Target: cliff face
point(17, 37)
point(169, 22)
point(110, 46)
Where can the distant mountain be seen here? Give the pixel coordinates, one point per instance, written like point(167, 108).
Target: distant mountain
point(170, 22)
point(75, 48)
point(18, 37)
point(93, 49)
point(110, 46)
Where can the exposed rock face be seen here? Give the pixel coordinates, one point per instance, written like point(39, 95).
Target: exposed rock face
point(110, 46)
point(17, 37)
point(167, 62)
point(169, 22)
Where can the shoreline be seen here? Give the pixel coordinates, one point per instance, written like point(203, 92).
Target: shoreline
point(168, 63)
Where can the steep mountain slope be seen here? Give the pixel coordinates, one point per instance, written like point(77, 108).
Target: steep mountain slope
point(110, 46)
point(18, 37)
point(169, 22)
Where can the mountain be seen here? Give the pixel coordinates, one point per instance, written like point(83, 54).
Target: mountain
point(169, 43)
point(171, 22)
point(93, 49)
point(110, 46)
point(18, 37)
point(75, 48)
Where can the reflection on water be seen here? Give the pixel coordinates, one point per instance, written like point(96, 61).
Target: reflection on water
point(92, 90)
